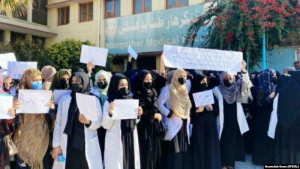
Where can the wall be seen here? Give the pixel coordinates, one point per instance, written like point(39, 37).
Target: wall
point(79, 30)
point(279, 58)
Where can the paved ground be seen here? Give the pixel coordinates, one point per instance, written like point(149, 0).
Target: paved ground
point(247, 165)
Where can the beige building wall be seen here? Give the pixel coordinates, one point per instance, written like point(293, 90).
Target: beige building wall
point(75, 29)
point(194, 2)
point(158, 5)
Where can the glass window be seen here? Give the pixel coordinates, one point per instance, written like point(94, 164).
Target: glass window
point(112, 8)
point(177, 3)
point(63, 16)
point(141, 6)
point(86, 12)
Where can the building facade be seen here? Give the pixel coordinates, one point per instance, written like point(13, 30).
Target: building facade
point(146, 25)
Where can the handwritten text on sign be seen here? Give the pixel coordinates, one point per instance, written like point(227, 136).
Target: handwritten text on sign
point(203, 98)
point(125, 109)
point(203, 59)
point(34, 101)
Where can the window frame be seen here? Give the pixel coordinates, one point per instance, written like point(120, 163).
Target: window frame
point(87, 11)
point(177, 4)
point(114, 9)
point(65, 15)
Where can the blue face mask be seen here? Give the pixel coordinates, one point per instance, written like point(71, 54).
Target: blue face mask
point(37, 85)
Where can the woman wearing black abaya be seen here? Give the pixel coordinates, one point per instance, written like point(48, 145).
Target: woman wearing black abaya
point(287, 109)
point(149, 140)
point(263, 147)
point(233, 124)
point(121, 140)
point(205, 145)
point(248, 137)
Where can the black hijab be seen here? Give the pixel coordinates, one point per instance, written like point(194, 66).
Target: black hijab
point(74, 128)
point(113, 93)
point(158, 81)
point(146, 96)
point(288, 102)
point(254, 80)
point(212, 81)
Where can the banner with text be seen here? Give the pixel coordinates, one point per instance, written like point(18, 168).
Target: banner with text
point(149, 32)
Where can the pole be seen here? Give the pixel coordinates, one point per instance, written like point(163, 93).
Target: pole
point(264, 52)
point(248, 65)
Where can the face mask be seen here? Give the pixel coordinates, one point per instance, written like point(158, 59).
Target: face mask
point(123, 91)
point(76, 87)
point(181, 80)
point(227, 83)
point(203, 85)
point(147, 85)
point(64, 83)
point(274, 80)
point(37, 85)
point(102, 85)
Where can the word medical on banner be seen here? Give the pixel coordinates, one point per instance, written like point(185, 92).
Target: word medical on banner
point(202, 59)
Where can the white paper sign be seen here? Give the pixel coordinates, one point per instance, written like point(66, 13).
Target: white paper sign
point(87, 106)
point(132, 52)
point(203, 98)
point(16, 69)
point(58, 94)
point(93, 54)
point(6, 102)
point(6, 57)
point(34, 101)
point(126, 109)
point(203, 59)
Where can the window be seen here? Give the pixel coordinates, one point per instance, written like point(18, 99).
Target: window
point(14, 36)
point(112, 8)
point(1, 36)
point(176, 3)
point(39, 12)
point(141, 6)
point(86, 12)
point(63, 16)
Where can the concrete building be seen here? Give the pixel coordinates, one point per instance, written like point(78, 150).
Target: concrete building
point(146, 25)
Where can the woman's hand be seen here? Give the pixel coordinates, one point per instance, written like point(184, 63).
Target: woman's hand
point(272, 95)
point(56, 151)
point(200, 109)
point(244, 65)
point(17, 104)
point(111, 108)
point(12, 112)
point(140, 111)
point(129, 58)
point(84, 120)
point(90, 66)
point(51, 105)
point(209, 107)
point(158, 117)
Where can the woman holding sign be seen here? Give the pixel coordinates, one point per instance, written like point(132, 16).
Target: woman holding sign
point(75, 137)
point(148, 127)
point(175, 105)
point(233, 124)
point(121, 140)
point(32, 134)
point(205, 145)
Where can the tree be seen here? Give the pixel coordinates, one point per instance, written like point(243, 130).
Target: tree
point(29, 50)
point(239, 25)
point(67, 54)
point(17, 8)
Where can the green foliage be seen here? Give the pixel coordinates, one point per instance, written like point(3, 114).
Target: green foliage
point(239, 25)
point(28, 50)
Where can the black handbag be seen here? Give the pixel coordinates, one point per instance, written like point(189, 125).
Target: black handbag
point(161, 129)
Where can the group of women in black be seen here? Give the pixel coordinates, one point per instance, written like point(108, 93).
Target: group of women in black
point(169, 132)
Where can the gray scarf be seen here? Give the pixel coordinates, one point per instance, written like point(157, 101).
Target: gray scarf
point(237, 92)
